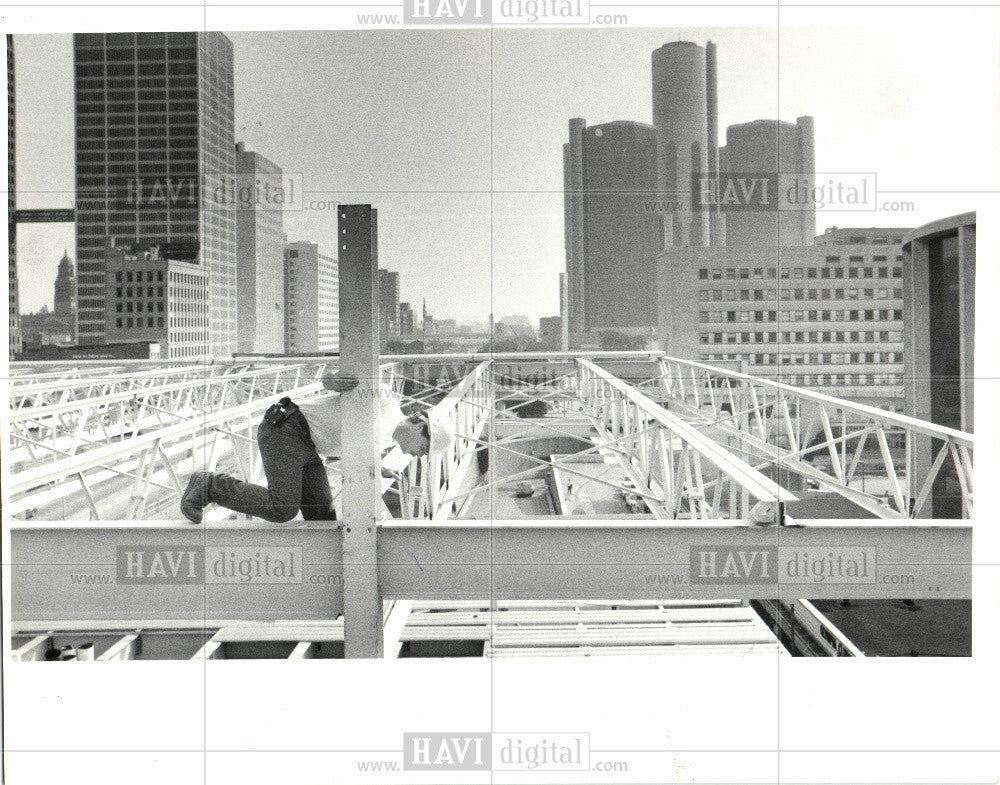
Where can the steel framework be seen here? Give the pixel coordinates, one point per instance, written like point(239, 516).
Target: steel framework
point(696, 441)
point(700, 443)
point(774, 424)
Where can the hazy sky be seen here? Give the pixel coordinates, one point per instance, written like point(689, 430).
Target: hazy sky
point(456, 136)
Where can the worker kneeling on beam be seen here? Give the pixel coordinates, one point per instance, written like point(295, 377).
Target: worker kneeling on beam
point(291, 439)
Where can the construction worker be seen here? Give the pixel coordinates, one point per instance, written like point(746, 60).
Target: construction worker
point(291, 438)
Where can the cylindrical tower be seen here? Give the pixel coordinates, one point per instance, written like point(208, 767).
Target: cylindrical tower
point(808, 153)
point(681, 94)
point(768, 148)
point(716, 230)
point(623, 225)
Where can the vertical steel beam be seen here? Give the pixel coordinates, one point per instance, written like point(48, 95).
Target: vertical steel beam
point(362, 503)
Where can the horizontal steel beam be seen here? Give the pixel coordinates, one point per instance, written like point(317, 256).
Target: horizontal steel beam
point(80, 571)
point(74, 571)
point(517, 560)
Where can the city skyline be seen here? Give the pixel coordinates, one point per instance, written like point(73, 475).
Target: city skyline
point(429, 172)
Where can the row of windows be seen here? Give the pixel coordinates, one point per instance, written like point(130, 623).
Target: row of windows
point(866, 315)
point(185, 278)
point(826, 379)
point(143, 68)
point(126, 90)
point(131, 276)
point(122, 115)
point(186, 87)
point(806, 336)
point(82, 41)
point(764, 295)
point(128, 321)
point(188, 351)
point(826, 358)
point(127, 54)
point(127, 115)
point(101, 156)
point(188, 300)
point(745, 273)
point(92, 127)
point(137, 307)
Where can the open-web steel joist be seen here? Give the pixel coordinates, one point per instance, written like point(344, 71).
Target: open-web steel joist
point(823, 439)
point(694, 441)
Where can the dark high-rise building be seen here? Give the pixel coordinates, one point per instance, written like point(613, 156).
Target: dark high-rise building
point(65, 293)
point(939, 281)
point(388, 300)
point(155, 152)
point(14, 312)
point(772, 147)
point(260, 258)
point(407, 320)
point(685, 109)
point(614, 229)
point(550, 331)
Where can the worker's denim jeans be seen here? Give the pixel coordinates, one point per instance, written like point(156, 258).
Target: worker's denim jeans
point(296, 477)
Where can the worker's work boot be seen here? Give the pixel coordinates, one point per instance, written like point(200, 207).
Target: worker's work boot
point(196, 496)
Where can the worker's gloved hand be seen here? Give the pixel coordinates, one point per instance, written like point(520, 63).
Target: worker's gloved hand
point(340, 382)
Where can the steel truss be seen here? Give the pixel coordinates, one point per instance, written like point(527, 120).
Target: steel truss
point(774, 424)
point(697, 441)
point(137, 436)
point(668, 457)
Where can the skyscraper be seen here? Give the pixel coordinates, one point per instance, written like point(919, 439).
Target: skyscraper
point(685, 109)
point(14, 312)
point(154, 154)
point(771, 147)
point(260, 250)
point(615, 230)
